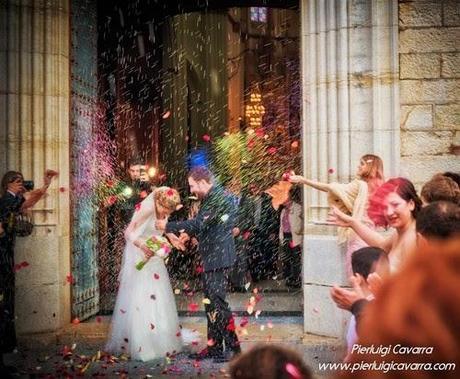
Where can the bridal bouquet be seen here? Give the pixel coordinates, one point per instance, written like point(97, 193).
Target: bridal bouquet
point(159, 246)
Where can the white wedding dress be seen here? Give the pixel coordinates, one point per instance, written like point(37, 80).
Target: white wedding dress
point(145, 323)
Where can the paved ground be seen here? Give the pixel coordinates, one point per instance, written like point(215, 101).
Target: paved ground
point(76, 351)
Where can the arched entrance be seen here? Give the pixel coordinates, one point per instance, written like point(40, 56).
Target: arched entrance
point(163, 84)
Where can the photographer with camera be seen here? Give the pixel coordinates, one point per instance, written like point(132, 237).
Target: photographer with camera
point(138, 185)
point(16, 197)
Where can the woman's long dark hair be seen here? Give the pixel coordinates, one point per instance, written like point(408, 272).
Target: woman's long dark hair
point(8, 178)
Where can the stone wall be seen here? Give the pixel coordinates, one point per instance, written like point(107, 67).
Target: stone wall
point(34, 135)
point(429, 58)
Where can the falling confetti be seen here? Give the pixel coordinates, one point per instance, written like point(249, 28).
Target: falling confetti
point(20, 266)
point(211, 342)
point(193, 307)
point(70, 279)
point(293, 371)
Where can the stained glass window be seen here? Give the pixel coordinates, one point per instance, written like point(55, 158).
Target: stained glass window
point(259, 14)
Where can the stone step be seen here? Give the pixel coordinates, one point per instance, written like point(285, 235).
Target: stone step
point(89, 337)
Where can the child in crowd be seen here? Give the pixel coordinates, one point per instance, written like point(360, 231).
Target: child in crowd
point(364, 262)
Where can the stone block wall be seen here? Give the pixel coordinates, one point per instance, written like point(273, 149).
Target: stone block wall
point(429, 73)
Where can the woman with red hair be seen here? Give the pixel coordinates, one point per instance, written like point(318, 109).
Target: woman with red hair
point(394, 204)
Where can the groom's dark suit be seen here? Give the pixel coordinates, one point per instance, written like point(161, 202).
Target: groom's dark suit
point(212, 226)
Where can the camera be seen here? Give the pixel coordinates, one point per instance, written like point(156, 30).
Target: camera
point(28, 185)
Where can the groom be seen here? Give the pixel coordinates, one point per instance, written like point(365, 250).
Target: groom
point(212, 226)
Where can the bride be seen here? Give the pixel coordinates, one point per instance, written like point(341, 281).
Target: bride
point(145, 323)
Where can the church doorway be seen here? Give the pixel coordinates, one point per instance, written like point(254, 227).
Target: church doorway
point(176, 84)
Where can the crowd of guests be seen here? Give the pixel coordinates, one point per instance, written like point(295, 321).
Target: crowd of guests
point(403, 283)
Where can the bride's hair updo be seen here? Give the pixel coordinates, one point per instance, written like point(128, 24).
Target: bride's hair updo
point(167, 197)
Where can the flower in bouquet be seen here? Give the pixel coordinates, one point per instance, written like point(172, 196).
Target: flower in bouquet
point(159, 246)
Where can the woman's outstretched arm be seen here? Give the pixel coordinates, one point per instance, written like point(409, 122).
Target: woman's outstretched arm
point(368, 235)
point(316, 185)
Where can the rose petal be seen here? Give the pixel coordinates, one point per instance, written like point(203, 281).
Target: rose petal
point(193, 307)
point(293, 371)
point(211, 342)
point(69, 279)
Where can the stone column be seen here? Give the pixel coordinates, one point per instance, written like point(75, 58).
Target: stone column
point(350, 108)
point(34, 109)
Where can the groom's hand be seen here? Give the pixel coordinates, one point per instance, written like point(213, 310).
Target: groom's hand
point(175, 241)
point(184, 237)
point(160, 224)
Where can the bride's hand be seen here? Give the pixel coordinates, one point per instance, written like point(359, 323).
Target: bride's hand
point(141, 245)
point(147, 252)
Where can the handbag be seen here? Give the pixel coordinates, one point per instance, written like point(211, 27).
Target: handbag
point(23, 225)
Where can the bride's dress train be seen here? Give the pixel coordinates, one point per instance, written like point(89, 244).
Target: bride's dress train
point(145, 323)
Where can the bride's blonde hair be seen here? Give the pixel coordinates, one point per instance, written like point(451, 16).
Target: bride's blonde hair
point(167, 197)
